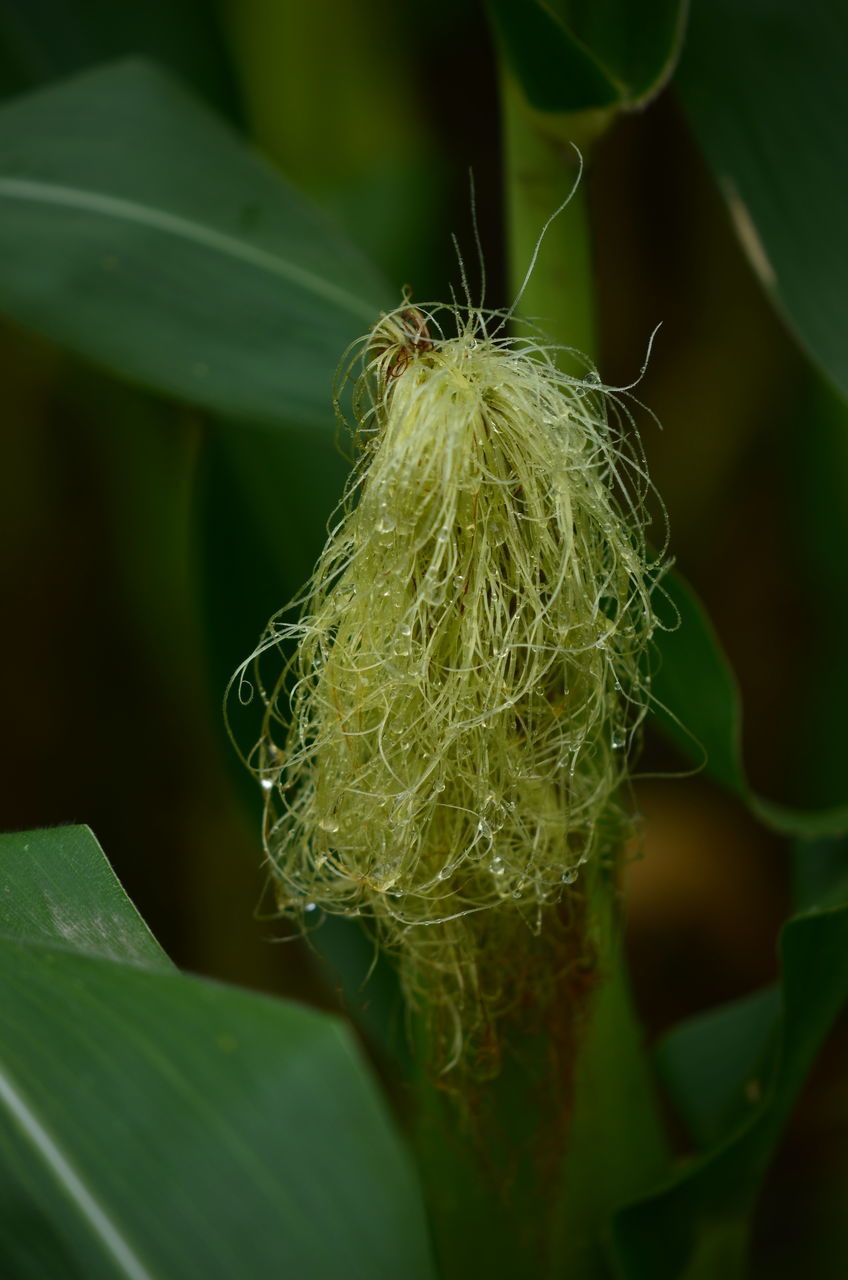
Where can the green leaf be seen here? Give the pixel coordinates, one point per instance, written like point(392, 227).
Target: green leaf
point(56, 887)
point(709, 1062)
point(138, 231)
point(820, 872)
point(697, 706)
point(698, 1217)
point(155, 1124)
point(638, 44)
point(556, 72)
point(41, 40)
point(697, 700)
point(765, 91)
point(571, 57)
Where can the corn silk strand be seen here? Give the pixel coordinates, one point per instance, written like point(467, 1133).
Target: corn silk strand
point(442, 750)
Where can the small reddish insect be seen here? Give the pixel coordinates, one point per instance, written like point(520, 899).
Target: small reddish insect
point(400, 335)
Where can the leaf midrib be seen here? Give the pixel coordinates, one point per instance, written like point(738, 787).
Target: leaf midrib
point(103, 205)
point(71, 1182)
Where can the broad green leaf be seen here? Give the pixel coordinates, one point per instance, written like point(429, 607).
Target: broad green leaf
point(765, 91)
point(638, 44)
point(697, 700)
point(141, 233)
point(555, 71)
point(179, 1128)
point(41, 40)
point(709, 1063)
point(571, 57)
point(699, 1216)
point(155, 1124)
point(56, 887)
point(697, 705)
point(820, 872)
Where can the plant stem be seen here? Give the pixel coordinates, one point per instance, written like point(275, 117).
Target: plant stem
point(524, 1171)
point(540, 171)
point(723, 1250)
point(615, 1145)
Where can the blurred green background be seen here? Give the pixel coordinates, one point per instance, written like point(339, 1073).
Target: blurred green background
point(146, 543)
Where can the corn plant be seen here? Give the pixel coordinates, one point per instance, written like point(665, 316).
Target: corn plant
point(378, 381)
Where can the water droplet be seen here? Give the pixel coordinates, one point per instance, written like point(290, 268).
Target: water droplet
point(329, 824)
point(497, 867)
point(593, 378)
point(498, 817)
point(444, 873)
point(311, 906)
point(266, 783)
point(618, 740)
point(569, 875)
point(439, 787)
point(442, 535)
point(516, 893)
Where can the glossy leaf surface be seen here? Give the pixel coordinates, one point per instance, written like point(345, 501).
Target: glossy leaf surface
point(57, 888)
point(157, 1124)
point(141, 233)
